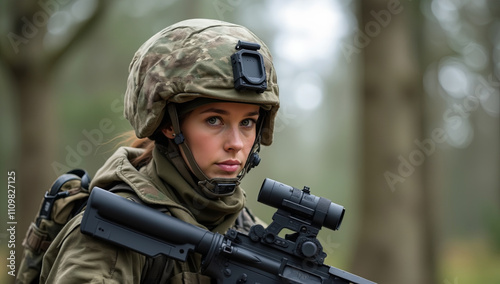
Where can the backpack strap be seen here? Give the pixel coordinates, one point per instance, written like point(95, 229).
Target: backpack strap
point(56, 193)
point(58, 203)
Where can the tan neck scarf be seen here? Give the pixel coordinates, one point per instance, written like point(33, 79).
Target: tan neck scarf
point(216, 215)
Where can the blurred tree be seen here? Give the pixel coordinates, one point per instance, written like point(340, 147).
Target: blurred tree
point(30, 53)
point(395, 243)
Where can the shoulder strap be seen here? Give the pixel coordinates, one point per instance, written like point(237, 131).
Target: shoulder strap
point(55, 191)
point(71, 175)
point(58, 205)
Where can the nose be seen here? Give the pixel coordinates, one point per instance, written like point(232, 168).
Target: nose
point(234, 140)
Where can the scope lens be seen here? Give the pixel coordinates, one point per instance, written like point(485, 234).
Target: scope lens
point(299, 203)
point(334, 216)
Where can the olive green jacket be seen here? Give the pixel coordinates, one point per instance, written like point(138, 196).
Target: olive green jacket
point(77, 258)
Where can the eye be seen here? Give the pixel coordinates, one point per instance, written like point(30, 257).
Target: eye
point(249, 122)
point(214, 120)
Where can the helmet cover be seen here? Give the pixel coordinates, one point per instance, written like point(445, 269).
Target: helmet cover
point(190, 60)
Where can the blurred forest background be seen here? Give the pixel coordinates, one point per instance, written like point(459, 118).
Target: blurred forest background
point(389, 108)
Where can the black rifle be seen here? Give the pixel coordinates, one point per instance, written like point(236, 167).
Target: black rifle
point(259, 257)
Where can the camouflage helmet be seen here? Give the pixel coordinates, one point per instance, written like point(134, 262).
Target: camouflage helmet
point(190, 60)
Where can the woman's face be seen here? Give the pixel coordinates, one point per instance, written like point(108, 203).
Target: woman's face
point(220, 136)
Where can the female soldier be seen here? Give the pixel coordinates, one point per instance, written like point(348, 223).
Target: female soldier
point(202, 95)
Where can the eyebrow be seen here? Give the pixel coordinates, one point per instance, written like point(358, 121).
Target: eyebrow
point(224, 112)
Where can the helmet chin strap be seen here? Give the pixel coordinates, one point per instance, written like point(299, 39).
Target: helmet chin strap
point(215, 187)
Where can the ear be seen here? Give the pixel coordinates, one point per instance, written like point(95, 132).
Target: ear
point(168, 132)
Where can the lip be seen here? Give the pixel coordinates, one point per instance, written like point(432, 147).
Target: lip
point(229, 165)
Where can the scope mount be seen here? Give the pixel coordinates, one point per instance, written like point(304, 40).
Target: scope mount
point(303, 243)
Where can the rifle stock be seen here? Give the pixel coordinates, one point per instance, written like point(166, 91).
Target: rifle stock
point(231, 258)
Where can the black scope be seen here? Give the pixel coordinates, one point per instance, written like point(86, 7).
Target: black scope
point(302, 204)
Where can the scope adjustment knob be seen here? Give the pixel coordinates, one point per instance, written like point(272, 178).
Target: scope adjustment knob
point(309, 248)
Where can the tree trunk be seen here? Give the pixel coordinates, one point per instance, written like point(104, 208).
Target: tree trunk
point(31, 63)
point(394, 237)
point(38, 136)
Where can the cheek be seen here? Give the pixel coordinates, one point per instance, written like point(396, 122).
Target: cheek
point(203, 146)
point(248, 144)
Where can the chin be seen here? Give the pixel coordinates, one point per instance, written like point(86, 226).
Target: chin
point(227, 175)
